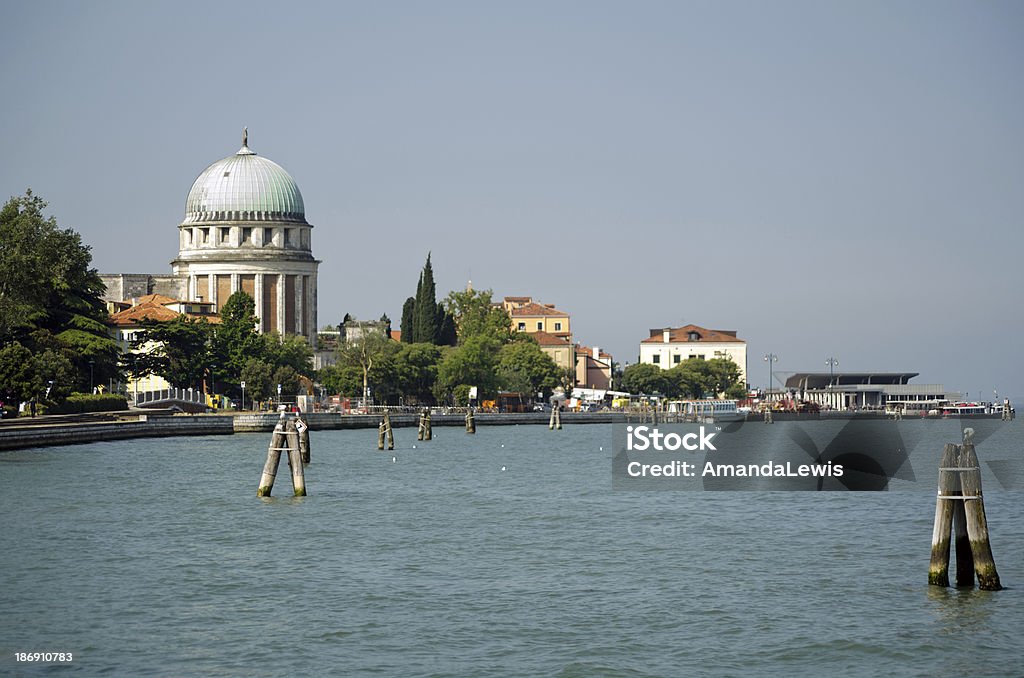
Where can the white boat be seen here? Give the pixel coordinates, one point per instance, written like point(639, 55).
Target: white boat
point(707, 411)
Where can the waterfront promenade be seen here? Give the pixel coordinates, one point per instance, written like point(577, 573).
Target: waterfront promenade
point(46, 431)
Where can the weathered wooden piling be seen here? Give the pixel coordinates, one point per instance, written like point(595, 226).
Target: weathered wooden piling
point(470, 422)
point(421, 426)
point(277, 443)
point(428, 431)
point(381, 432)
point(389, 430)
point(938, 569)
point(295, 459)
point(551, 420)
point(303, 429)
point(962, 544)
point(977, 524)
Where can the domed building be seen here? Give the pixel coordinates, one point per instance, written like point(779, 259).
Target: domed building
point(245, 229)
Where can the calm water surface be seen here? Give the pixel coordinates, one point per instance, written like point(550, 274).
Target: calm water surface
point(155, 557)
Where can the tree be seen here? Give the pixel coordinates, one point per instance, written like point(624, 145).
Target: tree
point(525, 368)
point(415, 369)
point(644, 378)
point(235, 339)
point(368, 351)
point(177, 350)
point(408, 320)
point(472, 364)
point(425, 311)
point(48, 290)
point(475, 314)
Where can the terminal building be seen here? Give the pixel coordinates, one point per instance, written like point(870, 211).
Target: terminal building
point(244, 229)
point(868, 390)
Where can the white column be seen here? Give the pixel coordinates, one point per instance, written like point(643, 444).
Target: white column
point(311, 293)
point(211, 285)
point(236, 282)
point(281, 284)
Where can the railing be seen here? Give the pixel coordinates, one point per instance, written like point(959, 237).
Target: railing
point(190, 395)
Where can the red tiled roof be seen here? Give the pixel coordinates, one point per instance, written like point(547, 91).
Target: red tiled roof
point(151, 311)
point(519, 299)
point(161, 299)
point(680, 335)
point(589, 352)
point(534, 309)
point(396, 335)
point(548, 339)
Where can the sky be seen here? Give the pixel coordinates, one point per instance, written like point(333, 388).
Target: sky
point(829, 179)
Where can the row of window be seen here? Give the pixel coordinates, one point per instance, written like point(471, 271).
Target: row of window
point(540, 326)
point(202, 236)
point(676, 359)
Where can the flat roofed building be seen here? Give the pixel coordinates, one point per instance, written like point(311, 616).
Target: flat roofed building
point(868, 390)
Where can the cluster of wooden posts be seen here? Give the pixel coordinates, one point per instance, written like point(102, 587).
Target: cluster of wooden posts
point(424, 429)
point(291, 436)
point(556, 418)
point(960, 510)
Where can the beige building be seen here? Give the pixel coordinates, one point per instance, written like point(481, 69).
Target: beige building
point(593, 368)
point(530, 316)
point(561, 351)
point(668, 347)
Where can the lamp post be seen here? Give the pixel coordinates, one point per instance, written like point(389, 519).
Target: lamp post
point(832, 364)
point(92, 386)
point(770, 358)
point(242, 384)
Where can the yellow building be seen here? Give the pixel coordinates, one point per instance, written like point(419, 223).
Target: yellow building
point(560, 349)
point(530, 316)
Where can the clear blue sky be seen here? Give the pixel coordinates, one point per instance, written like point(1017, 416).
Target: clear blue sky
point(826, 178)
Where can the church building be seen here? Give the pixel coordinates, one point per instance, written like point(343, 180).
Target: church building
point(244, 229)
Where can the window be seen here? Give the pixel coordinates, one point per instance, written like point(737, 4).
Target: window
point(247, 235)
point(204, 236)
point(676, 358)
point(522, 326)
point(540, 324)
point(225, 235)
point(558, 327)
point(656, 359)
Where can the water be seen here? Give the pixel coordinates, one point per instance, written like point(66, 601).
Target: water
point(155, 557)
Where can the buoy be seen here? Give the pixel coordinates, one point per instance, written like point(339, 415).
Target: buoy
point(502, 468)
point(394, 459)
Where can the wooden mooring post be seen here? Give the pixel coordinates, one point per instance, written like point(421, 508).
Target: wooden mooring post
point(960, 510)
point(303, 429)
point(555, 423)
point(428, 431)
point(381, 433)
point(470, 422)
point(388, 430)
point(284, 439)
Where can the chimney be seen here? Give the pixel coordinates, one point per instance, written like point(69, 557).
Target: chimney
point(597, 352)
point(665, 335)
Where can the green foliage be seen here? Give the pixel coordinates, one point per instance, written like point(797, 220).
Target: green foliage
point(178, 350)
point(82, 402)
point(235, 339)
point(345, 380)
point(372, 353)
point(424, 321)
point(258, 376)
point(408, 320)
point(288, 379)
point(525, 368)
point(17, 374)
point(415, 370)
point(425, 311)
point(475, 315)
point(473, 363)
point(48, 289)
point(644, 378)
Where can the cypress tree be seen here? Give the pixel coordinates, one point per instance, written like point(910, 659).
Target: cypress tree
point(408, 320)
point(425, 311)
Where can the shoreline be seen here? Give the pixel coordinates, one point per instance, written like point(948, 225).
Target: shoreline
point(29, 433)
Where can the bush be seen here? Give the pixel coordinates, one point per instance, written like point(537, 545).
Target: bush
point(81, 402)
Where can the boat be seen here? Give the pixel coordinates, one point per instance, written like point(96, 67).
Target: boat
point(708, 411)
point(971, 409)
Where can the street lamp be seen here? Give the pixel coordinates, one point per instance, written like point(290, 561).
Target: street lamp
point(92, 387)
point(770, 358)
point(832, 364)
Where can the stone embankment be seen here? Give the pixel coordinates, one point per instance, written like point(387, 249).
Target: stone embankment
point(49, 431)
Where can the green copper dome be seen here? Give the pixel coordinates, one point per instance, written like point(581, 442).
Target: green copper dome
point(244, 187)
